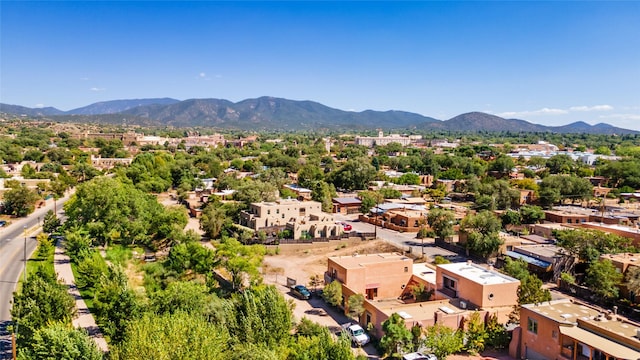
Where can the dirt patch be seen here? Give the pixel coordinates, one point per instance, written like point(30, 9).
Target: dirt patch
point(301, 261)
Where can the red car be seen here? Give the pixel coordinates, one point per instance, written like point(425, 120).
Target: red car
point(346, 227)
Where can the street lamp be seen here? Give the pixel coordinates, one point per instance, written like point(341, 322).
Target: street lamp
point(25, 256)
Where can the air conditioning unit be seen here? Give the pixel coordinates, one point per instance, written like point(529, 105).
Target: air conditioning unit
point(463, 305)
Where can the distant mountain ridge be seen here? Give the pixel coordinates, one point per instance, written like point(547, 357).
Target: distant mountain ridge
point(270, 113)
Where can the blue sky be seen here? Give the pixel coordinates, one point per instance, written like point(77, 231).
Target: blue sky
point(548, 62)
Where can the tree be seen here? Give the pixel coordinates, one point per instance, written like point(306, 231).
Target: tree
point(531, 214)
point(19, 201)
point(355, 174)
point(603, 279)
point(409, 179)
point(332, 293)
point(497, 336)
point(443, 340)
point(369, 199)
point(516, 268)
point(51, 223)
point(420, 292)
point(315, 342)
point(503, 164)
point(262, 317)
point(441, 221)
point(241, 261)
point(397, 338)
point(42, 301)
point(212, 220)
point(476, 334)
point(61, 341)
point(482, 233)
point(510, 217)
point(531, 291)
point(172, 336)
point(588, 245)
point(115, 303)
point(356, 305)
point(561, 164)
point(187, 296)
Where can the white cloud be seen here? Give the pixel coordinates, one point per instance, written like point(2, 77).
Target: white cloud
point(203, 76)
point(592, 108)
point(39, 106)
point(552, 111)
point(97, 89)
point(543, 111)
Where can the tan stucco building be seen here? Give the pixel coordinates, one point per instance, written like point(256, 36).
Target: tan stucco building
point(387, 281)
point(305, 219)
point(568, 330)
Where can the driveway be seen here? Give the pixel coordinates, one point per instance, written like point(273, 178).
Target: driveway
point(317, 310)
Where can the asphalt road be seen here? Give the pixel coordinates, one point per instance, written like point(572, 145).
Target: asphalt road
point(12, 249)
point(405, 241)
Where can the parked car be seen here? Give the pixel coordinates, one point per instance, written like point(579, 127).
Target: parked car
point(347, 227)
point(3, 223)
point(418, 356)
point(301, 292)
point(356, 334)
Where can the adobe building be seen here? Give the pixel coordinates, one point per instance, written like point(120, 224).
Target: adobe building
point(565, 216)
point(476, 286)
point(305, 219)
point(346, 205)
point(387, 281)
point(567, 330)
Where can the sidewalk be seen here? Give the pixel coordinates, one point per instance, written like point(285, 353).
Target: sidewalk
point(83, 318)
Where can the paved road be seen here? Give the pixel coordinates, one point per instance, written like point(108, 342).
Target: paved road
point(405, 241)
point(12, 248)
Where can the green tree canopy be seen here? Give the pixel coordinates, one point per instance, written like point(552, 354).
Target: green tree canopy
point(19, 201)
point(60, 341)
point(397, 338)
point(603, 279)
point(172, 336)
point(441, 221)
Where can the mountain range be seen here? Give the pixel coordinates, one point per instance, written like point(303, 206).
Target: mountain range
point(270, 113)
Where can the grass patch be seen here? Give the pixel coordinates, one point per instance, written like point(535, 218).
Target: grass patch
point(42, 257)
point(120, 254)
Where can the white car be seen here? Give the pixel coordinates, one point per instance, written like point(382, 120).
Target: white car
point(418, 356)
point(356, 333)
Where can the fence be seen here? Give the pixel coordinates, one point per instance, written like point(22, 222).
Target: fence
point(349, 235)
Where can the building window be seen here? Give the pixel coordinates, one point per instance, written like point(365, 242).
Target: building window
point(449, 283)
point(532, 325)
point(277, 211)
point(568, 221)
point(283, 216)
point(268, 212)
point(406, 269)
point(554, 334)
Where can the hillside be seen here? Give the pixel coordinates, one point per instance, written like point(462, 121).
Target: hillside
point(270, 113)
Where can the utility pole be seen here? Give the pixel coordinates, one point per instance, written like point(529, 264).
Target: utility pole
point(25, 256)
